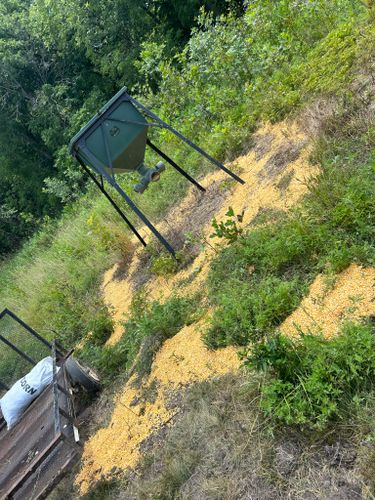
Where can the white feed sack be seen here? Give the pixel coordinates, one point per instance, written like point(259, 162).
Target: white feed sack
point(25, 390)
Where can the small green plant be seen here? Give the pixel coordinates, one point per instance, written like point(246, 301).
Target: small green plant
point(229, 229)
point(200, 240)
point(311, 381)
point(164, 265)
point(140, 302)
point(100, 326)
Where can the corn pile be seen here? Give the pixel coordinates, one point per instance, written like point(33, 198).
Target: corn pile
point(351, 296)
point(181, 361)
point(259, 192)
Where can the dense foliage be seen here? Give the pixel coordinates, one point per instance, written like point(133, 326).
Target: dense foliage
point(313, 381)
point(60, 61)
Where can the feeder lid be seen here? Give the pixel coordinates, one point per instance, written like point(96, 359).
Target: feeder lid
point(95, 118)
point(115, 138)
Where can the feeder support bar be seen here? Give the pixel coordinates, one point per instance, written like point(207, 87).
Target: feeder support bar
point(100, 185)
point(99, 168)
point(174, 165)
point(185, 139)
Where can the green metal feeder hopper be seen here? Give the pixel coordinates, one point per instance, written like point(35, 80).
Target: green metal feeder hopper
point(117, 138)
point(119, 143)
point(114, 141)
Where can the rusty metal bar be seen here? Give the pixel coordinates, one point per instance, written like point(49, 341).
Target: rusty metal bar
point(67, 416)
point(56, 409)
point(2, 424)
point(63, 390)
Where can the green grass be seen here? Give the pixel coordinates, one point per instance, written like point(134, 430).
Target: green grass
point(222, 446)
point(313, 382)
point(277, 60)
point(258, 280)
point(53, 283)
point(148, 326)
point(271, 63)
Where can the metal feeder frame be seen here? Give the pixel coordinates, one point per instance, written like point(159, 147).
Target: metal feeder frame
point(78, 144)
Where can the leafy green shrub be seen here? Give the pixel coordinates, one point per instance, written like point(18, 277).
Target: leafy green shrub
point(229, 229)
point(291, 244)
point(248, 311)
point(311, 380)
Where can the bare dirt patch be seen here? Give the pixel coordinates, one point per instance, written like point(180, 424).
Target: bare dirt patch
point(285, 180)
point(263, 144)
point(286, 154)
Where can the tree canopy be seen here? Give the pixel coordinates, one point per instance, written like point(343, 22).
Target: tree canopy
point(59, 62)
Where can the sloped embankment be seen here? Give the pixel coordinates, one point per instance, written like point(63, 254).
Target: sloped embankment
point(139, 411)
point(276, 171)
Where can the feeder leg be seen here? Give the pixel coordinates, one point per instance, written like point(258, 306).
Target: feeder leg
point(174, 165)
point(188, 141)
point(99, 168)
point(112, 202)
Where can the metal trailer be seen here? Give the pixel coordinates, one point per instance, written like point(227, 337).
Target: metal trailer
point(39, 449)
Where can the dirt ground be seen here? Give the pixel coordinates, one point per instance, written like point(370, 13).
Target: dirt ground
point(280, 150)
point(276, 172)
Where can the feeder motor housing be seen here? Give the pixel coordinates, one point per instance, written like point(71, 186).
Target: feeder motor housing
point(148, 175)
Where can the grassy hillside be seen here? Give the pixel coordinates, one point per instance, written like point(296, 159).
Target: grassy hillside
point(312, 62)
point(231, 75)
